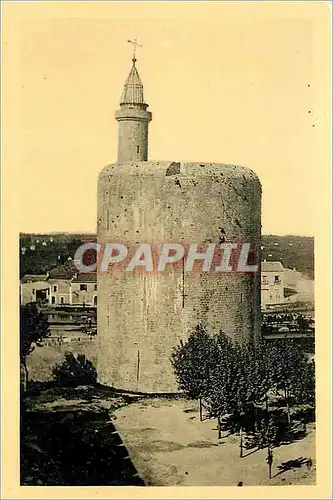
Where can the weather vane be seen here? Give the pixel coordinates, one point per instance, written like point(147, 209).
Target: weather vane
point(136, 44)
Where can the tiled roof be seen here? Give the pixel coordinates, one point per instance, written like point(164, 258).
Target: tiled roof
point(85, 278)
point(65, 272)
point(267, 267)
point(30, 278)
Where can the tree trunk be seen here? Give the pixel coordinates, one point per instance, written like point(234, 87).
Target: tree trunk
point(241, 443)
point(255, 411)
point(286, 397)
point(219, 427)
point(270, 461)
point(200, 408)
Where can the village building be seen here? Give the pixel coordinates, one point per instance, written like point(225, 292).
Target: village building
point(280, 285)
point(61, 287)
point(84, 289)
point(34, 291)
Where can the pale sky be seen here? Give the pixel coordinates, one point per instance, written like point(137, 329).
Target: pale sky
point(229, 83)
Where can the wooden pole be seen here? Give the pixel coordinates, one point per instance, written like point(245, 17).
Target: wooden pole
point(241, 442)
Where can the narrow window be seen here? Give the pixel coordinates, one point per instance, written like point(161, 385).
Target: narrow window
point(61, 300)
point(55, 288)
point(33, 291)
point(95, 288)
point(53, 300)
point(138, 149)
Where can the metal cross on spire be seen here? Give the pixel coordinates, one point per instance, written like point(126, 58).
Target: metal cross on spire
point(136, 44)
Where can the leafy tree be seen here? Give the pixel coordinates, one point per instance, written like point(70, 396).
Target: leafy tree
point(268, 431)
point(305, 390)
point(194, 362)
point(75, 371)
point(34, 328)
point(289, 367)
point(226, 383)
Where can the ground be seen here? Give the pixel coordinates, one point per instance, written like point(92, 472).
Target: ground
point(170, 446)
point(94, 435)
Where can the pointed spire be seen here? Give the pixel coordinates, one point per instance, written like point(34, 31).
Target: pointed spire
point(133, 118)
point(133, 88)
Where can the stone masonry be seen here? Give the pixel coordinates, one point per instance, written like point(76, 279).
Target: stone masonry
point(143, 315)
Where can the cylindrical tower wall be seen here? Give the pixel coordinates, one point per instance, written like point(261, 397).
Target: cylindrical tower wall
point(142, 316)
point(132, 134)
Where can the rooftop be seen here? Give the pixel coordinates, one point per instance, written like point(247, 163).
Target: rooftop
point(65, 272)
point(31, 278)
point(85, 278)
point(267, 267)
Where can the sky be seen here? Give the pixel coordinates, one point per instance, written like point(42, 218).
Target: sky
point(236, 83)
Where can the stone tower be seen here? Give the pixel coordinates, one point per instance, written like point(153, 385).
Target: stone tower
point(133, 119)
point(143, 315)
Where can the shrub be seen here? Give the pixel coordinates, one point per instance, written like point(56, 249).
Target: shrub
point(75, 371)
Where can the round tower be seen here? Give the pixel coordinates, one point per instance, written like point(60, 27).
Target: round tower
point(142, 316)
point(133, 119)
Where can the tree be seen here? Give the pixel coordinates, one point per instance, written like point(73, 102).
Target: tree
point(305, 391)
point(289, 367)
point(253, 383)
point(193, 363)
point(75, 371)
point(34, 328)
point(269, 460)
point(223, 395)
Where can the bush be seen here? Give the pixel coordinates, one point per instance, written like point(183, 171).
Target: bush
point(75, 371)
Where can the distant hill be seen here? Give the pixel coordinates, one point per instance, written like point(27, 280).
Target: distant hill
point(46, 251)
point(292, 251)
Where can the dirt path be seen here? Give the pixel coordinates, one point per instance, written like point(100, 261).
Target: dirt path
point(170, 446)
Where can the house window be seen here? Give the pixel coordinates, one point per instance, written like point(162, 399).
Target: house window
point(95, 300)
point(264, 280)
point(33, 291)
point(52, 300)
point(138, 149)
point(62, 300)
point(83, 288)
point(55, 288)
point(95, 288)
point(277, 279)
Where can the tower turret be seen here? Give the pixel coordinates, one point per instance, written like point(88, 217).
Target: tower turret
point(133, 119)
